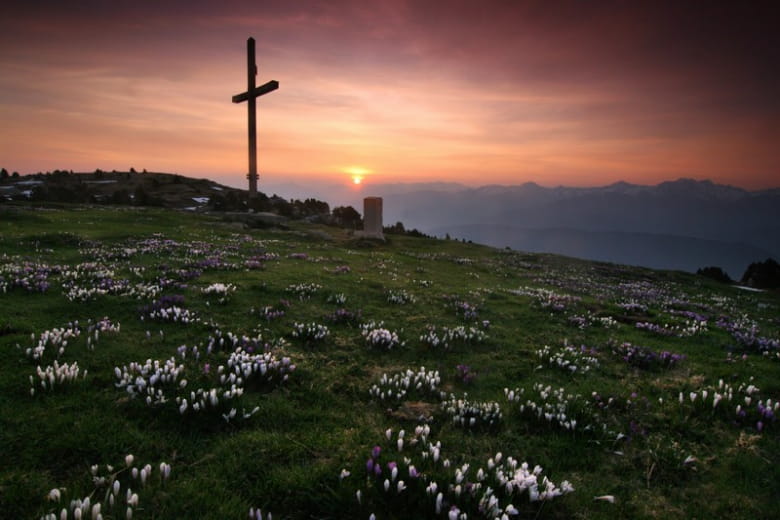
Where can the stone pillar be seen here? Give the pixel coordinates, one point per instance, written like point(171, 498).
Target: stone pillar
point(372, 217)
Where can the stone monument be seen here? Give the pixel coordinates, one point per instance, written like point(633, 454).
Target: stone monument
point(372, 218)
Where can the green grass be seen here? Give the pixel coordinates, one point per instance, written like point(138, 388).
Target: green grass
point(287, 457)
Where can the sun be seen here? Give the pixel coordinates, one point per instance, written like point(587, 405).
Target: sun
point(357, 174)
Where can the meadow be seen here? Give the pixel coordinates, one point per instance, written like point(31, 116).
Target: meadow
point(164, 364)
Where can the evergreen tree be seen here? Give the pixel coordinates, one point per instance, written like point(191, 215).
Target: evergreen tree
point(763, 275)
point(347, 216)
point(716, 273)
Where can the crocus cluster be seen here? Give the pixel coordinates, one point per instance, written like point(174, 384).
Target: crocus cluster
point(257, 514)
point(94, 330)
point(227, 341)
point(103, 325)
point(633, 306)
point(472, 414)
point(173, 314)
point(467, 311)
point(222, 291)
point(400, 297)
point(56, 338)
point(586, 320)
point(268, 312)
point(750, 409)
point(342, 315)
point(554, 408)
point(31, 277)
point(86, 281)
point(377, 336)
point(337, 298)
point(56, 375)
point(546, 298)
point(213, 263)
point(643, 357)
point(686, 329)
point(271, 312)
point(303, 291)
point(747, 334)
point(165, 301)
point(310, 332)
point(447, 337)
point(149, 380)
point(253, 264)
point(569, 358)
point(265, 366)
point(115, 484)
point(411, 478)
point(406, 384)
point(161, 382)
point(688, 314)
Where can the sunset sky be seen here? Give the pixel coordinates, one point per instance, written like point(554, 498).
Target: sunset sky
point(478, 92)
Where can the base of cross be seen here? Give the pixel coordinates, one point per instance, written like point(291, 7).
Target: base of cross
point(252, 183)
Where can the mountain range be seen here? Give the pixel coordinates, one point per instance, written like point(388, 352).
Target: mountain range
point(684, 224)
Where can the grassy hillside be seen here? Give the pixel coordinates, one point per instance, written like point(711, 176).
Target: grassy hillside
point(123, 188)
point(283, 370)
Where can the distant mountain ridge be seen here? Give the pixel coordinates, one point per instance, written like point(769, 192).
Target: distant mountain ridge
point(724, 225)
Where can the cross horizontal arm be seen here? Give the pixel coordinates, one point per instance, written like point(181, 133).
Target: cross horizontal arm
point(257, 92)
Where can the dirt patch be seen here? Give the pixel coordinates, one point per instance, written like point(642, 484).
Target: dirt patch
point(414, 410)
point(745, 442)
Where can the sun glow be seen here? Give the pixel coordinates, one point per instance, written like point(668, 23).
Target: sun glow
point(357, 174)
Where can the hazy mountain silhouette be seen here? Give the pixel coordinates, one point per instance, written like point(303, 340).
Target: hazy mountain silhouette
point(683, 224)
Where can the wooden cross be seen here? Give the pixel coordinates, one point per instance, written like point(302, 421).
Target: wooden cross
point(251, 93)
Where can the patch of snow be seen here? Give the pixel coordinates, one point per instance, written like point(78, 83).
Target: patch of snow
point(7, 188)
point(110, 181)
point(201, 200)
point(190, 208)
point(216, 188)
point(30, 183)
point(751, 289)
point(27, 193)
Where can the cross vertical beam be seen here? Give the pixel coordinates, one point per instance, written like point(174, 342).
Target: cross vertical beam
point(250, 96)
point(251, 74)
